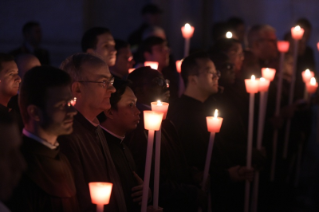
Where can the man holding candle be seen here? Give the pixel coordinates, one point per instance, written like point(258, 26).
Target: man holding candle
point(86, 148)
point(99, 42)
point(116, 122)
point(48, 183)
point(178, 189)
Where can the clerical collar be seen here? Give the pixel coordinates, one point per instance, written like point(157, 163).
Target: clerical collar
point(95, 122)
point(116, 136)
point(40, 140)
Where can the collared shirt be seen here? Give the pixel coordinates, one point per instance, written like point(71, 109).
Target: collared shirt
point(95, 122)
point(117, 136)
point(40, 140)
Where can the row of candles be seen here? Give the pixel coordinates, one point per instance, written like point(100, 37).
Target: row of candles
point(101, 191)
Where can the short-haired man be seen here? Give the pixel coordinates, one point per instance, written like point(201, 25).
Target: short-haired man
point(124, 60)
point(12, 163)
point(86, 148)
point(9, 79)
point(99, 41)
point(45, 105)
point(32, 34)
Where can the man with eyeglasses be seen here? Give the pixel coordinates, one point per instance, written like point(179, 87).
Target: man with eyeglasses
point(86, 148)
point(45, 105)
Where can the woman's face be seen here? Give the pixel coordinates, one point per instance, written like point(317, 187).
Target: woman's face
point(236, 56)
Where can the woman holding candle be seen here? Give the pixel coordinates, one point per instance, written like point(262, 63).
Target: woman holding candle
point(179, 187)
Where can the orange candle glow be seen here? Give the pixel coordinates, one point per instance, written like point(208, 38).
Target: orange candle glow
point(187, 31)
point(72, 102)
point(252, 85)
point(179, 65)
point(214, 122)
point(152, 120)
point(283, 46)
point(312, 85)
point(307, 75)
point(263, 84)
point(268, 73)
point(100, 193)
point(318, 46)
point(130, 70)
point(152, 64)
point(297, 32)
point(160, 107)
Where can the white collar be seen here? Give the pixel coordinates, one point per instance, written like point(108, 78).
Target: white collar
point(40, 140)
point(117, 136)
point(95, 122)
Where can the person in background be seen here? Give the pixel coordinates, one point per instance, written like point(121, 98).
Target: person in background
point(32, 34)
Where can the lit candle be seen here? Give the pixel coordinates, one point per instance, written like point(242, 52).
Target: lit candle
point(100, 194)
point(312, 85)
point(268, 73)
point(179, 65)
point(283, 46)
point(73, 101)
point(187, 32)
point(252, 85)
point(307, 75)
point(130, 70)
point(297, 32)
point(152, 64)
point(152, 122)
point(214, 124)
point(263, 85)
point(161, 107)
point(229, 34)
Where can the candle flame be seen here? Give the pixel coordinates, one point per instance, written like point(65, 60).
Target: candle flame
point(187, 26)
point(253, 77)
point(216, 113)
point(307, 71)
point(262, 79)
point(159, 103)
point(313, 81)
point(297, 27)
point(229, 34)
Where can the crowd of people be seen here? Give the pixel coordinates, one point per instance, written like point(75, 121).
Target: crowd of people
point(63, 127)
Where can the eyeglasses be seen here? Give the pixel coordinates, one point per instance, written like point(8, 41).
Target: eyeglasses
point(161, 82)
point(215, 75)
point(104, 83)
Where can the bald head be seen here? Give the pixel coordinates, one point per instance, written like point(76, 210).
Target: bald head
point(25, 62)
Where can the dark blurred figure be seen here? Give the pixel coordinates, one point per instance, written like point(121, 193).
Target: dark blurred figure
point(124, 60)
point(156, 49)
point(12, 163)
point(237, 25)
point(99, 42)
point(179, 190)
point(32, 34)
point(151, 17)
point(45, 105)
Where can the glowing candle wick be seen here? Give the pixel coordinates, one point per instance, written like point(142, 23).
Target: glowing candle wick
point(253, 77)
point(297, 27)
point(159, 103)
point(313, 81)
point(187, 26)
point(216, 113)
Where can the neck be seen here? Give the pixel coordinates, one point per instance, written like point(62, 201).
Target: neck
point(113, 128)
point(115, 73)
point(86, 111)
point(196, 94)
point(35, 129)
point(4, 100)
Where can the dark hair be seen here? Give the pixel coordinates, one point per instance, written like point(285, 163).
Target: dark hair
point(219, 30)
point(220, 59)
point(35, 84)
point(233, 22)
point(120, 86)
point(140, 76)
point(254, 32)
point(223, 45)
point(89, 39)
point(5, 58)
point(151, 9)
point(28, 26)
point(120, 44)
point(147, 44)
point(303, 22)
point(190, 66)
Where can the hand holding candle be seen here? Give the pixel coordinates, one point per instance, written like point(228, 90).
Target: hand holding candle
point(152, 64)
point(100, 194)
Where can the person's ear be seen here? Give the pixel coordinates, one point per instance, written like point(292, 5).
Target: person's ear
point(147, 56)
point(76, 89)
point(109, 114)
point(192, 79)
point(34, 112)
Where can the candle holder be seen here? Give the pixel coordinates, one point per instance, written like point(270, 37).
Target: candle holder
point(100, 194)
point(268, 73)
point(187, 32)
point(152, 123)
point(152, 64)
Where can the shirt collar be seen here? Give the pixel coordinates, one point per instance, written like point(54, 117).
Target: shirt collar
point(40, 140)
point(116, 136)
point(95, 122)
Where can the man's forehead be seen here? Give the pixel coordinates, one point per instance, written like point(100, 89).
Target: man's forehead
point(106, 37)
point(8, 66)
